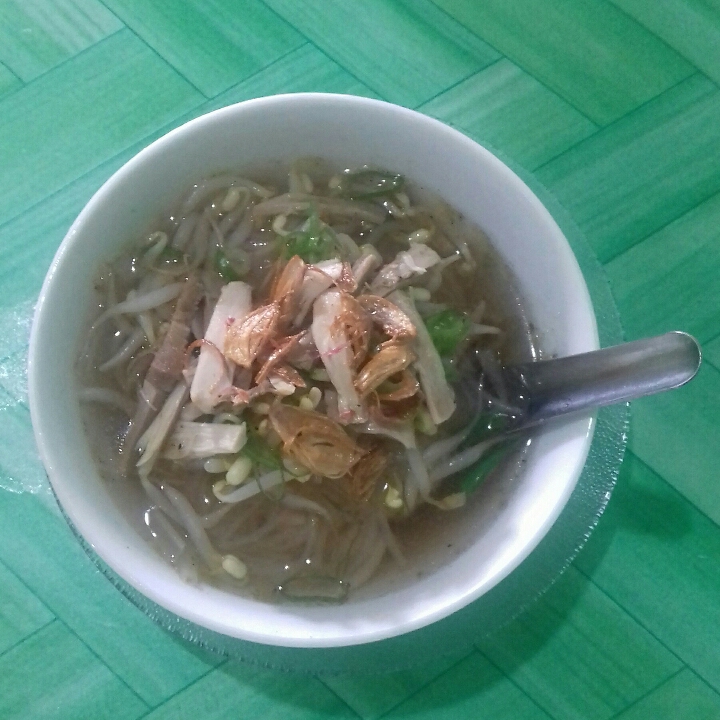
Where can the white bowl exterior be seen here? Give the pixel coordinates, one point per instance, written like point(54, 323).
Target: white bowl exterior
point(350, 131)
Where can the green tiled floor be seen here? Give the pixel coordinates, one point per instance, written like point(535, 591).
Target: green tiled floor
point(614, 106)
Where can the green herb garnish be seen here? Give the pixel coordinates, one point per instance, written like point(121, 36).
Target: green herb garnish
point(474, 476)
point(225, 267)
point(171, 255)
point(315, 242)
point(257, 449)
point(447, 328)
point(367, 184)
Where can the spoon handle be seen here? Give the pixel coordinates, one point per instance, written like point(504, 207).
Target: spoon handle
point(604, 377)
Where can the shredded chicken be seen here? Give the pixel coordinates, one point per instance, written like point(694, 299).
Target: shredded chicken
point(407, 264)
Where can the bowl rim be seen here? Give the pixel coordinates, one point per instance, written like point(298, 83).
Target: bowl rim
point(43, 433)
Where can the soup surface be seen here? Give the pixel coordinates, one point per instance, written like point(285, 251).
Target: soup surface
point(280, 382)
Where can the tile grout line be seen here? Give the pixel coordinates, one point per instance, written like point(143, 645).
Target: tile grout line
point(101, 661)
point(24, 584)
point(606, 594)
point(153, 708)
point(339, 697)
point(155, 52)
point(62, 63)
point(648, 693)
point(28, 636)
point(164, 130)
point(631, 615)
point(54, 193)
point(628, 114)
point(660, 229)
point(209, 98)
point(320, 50)
point(57, 618)
point(14, 74)
point(517, 64)
point(516, 685)
point(427, 684)
point(674, 489)
point(459, 82)
point(622, 11)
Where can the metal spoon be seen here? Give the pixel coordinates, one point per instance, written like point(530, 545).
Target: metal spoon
point(549, 388)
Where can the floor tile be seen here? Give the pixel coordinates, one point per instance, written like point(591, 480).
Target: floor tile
point(212, 43)
point(306, 69)
point(83, 112)
point(372, 696)
point(15, 322)
point(471, 689)
point(563, 652)
point(21, 613)
point(237, 690)
point(676, 434)
point(52, 675)
point(37, 35)
point(692, 27)
point(711, 352)
point(50, 561)
point(30, 240)
point(590, 53)
point(683, 696)
point(643, 172)
point(20, 466)
point(507, 108)
point(668, 281)
point(13, 377)
point(406, 51)
point(8, 80)
point(659, 558)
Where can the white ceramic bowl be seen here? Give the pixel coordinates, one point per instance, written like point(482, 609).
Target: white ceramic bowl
point(351, 131)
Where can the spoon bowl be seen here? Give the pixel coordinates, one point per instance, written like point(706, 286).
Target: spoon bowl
point(535, 392)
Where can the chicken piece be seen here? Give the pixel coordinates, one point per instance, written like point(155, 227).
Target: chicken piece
point(320, 277)
point(369, 260)
point(333, 340)
point(407, 263)
point(388, 316)
point(439, 396)
point(213, 377)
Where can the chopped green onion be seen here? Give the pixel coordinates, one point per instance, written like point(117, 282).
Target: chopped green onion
point(366, 184)
point(451, 373)
point(314, 243)
point(171, 254)
point(488, 424)
point(447, 328)
point(226, 268)
point(474, 476)
point(257, 450)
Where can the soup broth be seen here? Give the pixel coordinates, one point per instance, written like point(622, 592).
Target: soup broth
point(280, 381)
